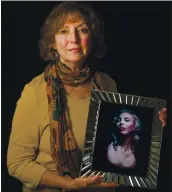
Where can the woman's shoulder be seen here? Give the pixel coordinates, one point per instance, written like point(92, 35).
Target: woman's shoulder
point(108, 81)
point(37, 81)
point(35, 86)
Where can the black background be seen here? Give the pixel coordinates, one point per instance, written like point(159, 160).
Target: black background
point(137, 36)
point(105, 129)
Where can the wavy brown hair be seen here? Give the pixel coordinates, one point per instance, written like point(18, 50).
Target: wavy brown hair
point(56, 20)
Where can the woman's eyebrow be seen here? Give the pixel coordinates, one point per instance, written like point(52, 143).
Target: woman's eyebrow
point(82, 24)
point(66, 26)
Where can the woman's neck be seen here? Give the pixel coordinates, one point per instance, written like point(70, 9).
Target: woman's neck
point(127, 143)
point(77, 66)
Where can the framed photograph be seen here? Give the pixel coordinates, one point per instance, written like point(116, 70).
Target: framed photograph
point(123, 139)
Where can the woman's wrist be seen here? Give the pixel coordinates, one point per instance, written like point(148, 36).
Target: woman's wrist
point(69, 183)
point(53, 180)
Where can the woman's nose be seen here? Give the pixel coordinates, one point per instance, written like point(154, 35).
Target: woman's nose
point(119, 124)
point(73, 37)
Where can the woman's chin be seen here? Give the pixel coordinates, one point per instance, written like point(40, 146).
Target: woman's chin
point(123, 132)
point(76, 60)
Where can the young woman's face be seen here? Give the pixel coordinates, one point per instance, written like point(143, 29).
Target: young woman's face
point(73, 41)
point(126, 123)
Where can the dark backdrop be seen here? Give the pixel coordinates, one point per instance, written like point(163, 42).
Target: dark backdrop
point(137, 36)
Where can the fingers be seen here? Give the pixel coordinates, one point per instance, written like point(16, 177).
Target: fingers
point(163, 111)
point(87, 182)
point(96, 182)
point(105, 184)
point(93, 182)
point(163, 116)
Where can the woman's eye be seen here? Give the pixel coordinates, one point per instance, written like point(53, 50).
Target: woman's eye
point(118, 120)
point(127, 120)
point(63, 31)
point(83, 30)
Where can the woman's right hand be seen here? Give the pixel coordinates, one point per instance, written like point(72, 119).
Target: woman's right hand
point(81, 183)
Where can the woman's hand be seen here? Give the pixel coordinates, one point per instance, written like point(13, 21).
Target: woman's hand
point(163, 116)
point(81, 183)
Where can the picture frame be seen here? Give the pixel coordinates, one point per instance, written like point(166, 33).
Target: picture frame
point(112, 164)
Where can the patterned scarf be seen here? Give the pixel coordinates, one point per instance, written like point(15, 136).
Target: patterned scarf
point(63, 144)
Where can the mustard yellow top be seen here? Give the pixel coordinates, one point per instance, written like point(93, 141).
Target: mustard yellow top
point(29, 152)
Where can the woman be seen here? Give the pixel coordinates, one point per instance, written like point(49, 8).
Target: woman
point(121, 152)
point(47, 136)
point(50, 118)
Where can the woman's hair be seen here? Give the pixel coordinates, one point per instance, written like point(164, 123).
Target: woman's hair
point(134, 134)
point(56, 20)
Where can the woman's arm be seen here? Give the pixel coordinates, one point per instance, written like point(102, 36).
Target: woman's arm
point(51, 179)
point(23, 146)
point(24, 140)
point(24, 143)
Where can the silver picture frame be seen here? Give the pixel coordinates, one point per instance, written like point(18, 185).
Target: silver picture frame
point(150, 179)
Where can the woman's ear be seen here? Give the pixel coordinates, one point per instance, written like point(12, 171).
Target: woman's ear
point(54, 47)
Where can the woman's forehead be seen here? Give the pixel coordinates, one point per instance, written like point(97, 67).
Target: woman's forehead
point(71, 18)
point(126, 114)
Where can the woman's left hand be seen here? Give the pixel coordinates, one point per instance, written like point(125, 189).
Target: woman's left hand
point(163, 116)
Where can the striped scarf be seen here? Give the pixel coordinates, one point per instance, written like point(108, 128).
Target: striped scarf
point(63, 144)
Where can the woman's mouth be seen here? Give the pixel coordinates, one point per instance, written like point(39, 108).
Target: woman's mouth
point(75, 50)
point(122, 129)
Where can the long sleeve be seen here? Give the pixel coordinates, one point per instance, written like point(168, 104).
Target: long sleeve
point(24, 140)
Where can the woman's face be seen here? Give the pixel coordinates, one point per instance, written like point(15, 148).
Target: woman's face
point(73, 41)
point(126, 123)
